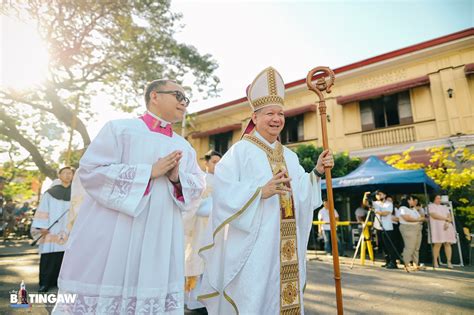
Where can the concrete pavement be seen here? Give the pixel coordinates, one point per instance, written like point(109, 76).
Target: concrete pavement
point(371, 289)
point(18, 261)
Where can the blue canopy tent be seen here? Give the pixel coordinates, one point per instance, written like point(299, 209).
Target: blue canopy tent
point(376, 174)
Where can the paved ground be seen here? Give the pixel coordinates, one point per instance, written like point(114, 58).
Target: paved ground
point(367, 289)
point(18, 261)
point(375, 290)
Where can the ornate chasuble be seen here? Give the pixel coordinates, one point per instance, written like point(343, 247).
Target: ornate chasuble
point(290, 302)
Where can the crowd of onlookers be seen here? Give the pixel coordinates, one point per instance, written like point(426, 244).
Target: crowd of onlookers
point(404, 228)
point(15, 220)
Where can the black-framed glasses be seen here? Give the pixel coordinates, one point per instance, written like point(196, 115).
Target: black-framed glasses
point(178, 94)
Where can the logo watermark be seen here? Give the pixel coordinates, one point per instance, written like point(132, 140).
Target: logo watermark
point(23, 299)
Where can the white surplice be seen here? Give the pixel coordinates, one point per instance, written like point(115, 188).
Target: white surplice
point(49, 210)
point(195, 226)
point(242, 255)
point(125, 253)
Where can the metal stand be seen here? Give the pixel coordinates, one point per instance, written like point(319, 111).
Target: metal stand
point(388, 238)
point(363, 239)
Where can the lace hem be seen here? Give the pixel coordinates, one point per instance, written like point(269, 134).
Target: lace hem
point(119, 305)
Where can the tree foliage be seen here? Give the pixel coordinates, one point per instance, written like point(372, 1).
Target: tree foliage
point(21, 182)
point(343, 163)
point(112, 47)
point(452, 170)
point(24, 185)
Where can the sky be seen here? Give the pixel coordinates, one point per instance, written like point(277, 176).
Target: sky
point(244, 37)
point(295, 36)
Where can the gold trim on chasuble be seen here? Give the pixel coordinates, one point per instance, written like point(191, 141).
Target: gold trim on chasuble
point(219, 228)
point(230, 219)
point(290, 301)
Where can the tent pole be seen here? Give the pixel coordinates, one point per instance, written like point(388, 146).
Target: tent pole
point(428, 223)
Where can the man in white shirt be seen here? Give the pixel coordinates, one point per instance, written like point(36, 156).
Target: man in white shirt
point(383, 224)
point(361, 213)
point(325, 229)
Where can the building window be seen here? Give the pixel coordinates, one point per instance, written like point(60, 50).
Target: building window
point(293, 130)
point(386, 111)
point(221, 142)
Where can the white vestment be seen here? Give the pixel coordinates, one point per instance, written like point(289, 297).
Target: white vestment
point(242, 270)
point(195, 226)
point(49, 210)
point(125, 254)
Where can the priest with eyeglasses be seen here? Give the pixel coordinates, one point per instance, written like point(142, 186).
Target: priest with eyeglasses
point(125, 253)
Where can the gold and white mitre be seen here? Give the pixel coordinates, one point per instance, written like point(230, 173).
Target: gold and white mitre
point(267, 89)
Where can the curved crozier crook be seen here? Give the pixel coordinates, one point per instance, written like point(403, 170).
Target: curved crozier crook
point(323, 83)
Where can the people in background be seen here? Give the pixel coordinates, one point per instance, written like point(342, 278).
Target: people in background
point(397, 237)
point(442, 230)
point(49, 227)
point(361, 213)
point(195, 223)
point(384, 225)
point(410, 229)
point(8, 217)
point(325, 229)
point(425, 254)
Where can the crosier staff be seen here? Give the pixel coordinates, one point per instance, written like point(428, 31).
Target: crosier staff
point(324, 82)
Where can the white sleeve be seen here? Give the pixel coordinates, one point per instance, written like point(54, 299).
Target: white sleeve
point(41, 218)
point(377, 206)
point(193, 183)
point(403, 210)
point(205, 207)
point(389, 208)
point(109, 181)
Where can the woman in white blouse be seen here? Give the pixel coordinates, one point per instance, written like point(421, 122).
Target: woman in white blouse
point(410, 228)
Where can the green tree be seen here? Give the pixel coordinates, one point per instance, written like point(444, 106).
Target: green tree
point(19, 176)
point(343, 163)
point(114, 47)
point(21, 187)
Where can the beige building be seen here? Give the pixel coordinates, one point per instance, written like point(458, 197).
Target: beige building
point(421, 96)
